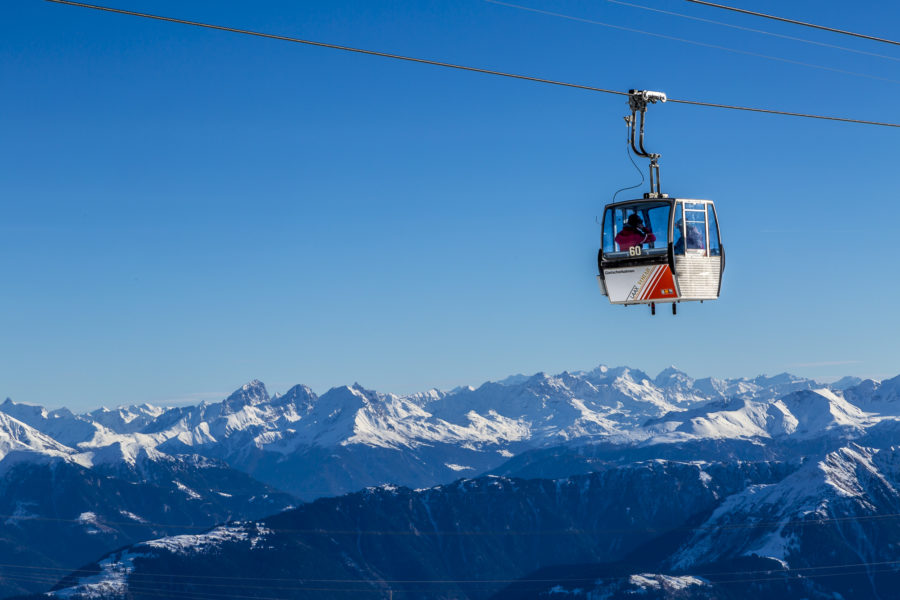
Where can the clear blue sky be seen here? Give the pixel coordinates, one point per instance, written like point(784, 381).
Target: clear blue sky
point(182, 210)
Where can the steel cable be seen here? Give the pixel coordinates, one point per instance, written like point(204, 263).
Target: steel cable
point(796, 22)
point(461, 67)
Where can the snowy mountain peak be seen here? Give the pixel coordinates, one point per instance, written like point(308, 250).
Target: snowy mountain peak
point(846, 469)
point(673, 377)
point(18, 436)
point(845, 383)
point(843, 483)
point(629, 374)
point(300, 396)
point(516, 379)
point(537, 378)
point(671, 371)
point(460, 389)
point(250, 394)
point(23, 412)
point(431, 395)
point(780, 379)
point(889, 390)
point(598, 371)
point(820, 410)
point(881, 397)
point(346, 398)
point(471, 427)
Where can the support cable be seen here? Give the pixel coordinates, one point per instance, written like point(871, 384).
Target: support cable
point(455, 66)
point(753, 30)
point(796, 22)
point(682, 40)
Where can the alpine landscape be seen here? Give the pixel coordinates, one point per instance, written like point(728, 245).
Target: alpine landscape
point(601, 484)
point(564, 324)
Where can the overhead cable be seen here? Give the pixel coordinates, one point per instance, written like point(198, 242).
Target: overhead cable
point(455, 66)
point(140, 582)
point(285, 38)
point(795, 22)
point(688, 41)
point(569, 531)
point(290, 582)
point(753, 30)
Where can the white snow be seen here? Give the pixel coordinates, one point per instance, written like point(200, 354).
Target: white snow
point(188, 491)
point(16, 436)
point(758, 519)
point(91, 523)
point(199, 543)
point(454, 467)
point(645, 582)
point(115, 568)
point(840, 471)
point(132, 516)
point(110, 581)
point(775, 545)
point(657, 581)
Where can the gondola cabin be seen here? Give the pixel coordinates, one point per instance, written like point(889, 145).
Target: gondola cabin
point(660, 250)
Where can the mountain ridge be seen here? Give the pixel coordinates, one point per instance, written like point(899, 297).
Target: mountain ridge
point(466, 430)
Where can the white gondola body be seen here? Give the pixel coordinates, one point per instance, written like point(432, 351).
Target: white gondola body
point(688, 240)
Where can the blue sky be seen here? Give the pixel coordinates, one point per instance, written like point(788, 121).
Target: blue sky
point(183, 210)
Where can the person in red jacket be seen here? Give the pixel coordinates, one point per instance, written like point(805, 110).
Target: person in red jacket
point(634, 234)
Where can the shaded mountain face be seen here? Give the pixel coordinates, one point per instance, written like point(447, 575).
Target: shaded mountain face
point(461, 540)
point(61, 505)
point(57, 514)
point(827, 530)
point(825, 511)
point(822, 528)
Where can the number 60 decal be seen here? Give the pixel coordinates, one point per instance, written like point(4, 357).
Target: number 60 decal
point(634, 251)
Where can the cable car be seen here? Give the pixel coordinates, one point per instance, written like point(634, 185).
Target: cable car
point(658, 249)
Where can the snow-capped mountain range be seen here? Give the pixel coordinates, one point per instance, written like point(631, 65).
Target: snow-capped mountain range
point(776, 452)
point(433, 437)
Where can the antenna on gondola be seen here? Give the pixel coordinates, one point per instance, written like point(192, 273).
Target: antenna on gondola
point(638, 101)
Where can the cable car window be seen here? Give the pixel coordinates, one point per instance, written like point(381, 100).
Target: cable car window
point(609, 231)
point(637, 229)
point(694, 226)
point(678, 229)
point(714, 248)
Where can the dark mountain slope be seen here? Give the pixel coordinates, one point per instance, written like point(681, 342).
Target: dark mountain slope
point(56, 514)
point(465, 540)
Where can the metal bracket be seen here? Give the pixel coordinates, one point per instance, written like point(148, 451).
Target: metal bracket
point(638, 101)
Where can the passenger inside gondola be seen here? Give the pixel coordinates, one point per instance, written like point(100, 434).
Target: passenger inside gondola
point(695, 237)
point(634, 233)
point(641, 225)
point(690, 225)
